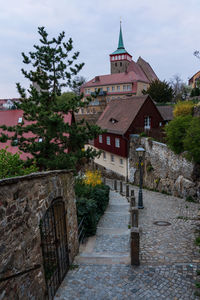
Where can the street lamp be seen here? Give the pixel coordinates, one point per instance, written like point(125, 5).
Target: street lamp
point(140, 152)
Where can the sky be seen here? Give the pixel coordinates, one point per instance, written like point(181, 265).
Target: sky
point(163, 32)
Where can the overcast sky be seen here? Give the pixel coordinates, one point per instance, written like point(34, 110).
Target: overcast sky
point(163, 32)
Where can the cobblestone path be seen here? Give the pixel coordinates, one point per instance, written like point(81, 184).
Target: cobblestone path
point(169, 257)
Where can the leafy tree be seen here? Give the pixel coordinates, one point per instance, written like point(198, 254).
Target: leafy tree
point(160, 91)
point(11, 165)
point(195, 92)
point(179, 87)
point(76, 84)
point(53, 143)
point(192, 140)
point(176, 132)
point(183, 108)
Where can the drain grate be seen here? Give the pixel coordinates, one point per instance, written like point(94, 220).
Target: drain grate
point(162, 223)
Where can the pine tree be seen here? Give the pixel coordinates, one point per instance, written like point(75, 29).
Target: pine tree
point(54, 144)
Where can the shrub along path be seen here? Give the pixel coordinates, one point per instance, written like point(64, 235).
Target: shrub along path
point(169, 257)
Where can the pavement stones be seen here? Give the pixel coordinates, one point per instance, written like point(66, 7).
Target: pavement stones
point(169, 257)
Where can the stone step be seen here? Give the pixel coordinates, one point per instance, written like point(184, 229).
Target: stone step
point(103, 258)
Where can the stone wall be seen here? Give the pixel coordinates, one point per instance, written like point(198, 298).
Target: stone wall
point(196, 112)
point(163, 170)
point(23, 202)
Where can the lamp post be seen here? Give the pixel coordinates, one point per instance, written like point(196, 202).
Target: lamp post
point(140, 152)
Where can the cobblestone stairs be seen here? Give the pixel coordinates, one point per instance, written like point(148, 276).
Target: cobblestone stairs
point(111, 243)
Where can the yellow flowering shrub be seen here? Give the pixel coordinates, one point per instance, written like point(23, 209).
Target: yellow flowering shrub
point(92, 178)
point(183, 108)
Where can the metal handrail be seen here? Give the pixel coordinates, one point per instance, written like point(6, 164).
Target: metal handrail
point(81, 230)
point(20, 273)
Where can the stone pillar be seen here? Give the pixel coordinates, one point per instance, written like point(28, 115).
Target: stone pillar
point(135, 246)
point(127, 190)
point(134, 216)
point(115, 185)
point(121, 187)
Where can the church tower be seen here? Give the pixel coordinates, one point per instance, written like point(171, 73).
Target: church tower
point(120, 59)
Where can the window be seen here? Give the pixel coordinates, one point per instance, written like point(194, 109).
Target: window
point(160, 124)
point(118, 87)
point(123, 56)
point(40, 140)
point(104, 155)
point(120, 64)
point(115, 64)
point(147, 122)
point(145, 87)
point(117, 142)
point(127, 87)
point(108, 89)
point(121, 161)
point(20, 120)
point(87, 91)
point(101, 89)
point(112, 158)
point(113, 88)
point(100, 139)
point(108, 140)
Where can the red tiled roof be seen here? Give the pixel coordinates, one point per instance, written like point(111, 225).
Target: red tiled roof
point(134, 67)
point(166, 112)
point(122, 113)
point(117, 78)
point(10, 118)
point(147, 69)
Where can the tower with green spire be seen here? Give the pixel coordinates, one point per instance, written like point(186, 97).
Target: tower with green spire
point(120, 59)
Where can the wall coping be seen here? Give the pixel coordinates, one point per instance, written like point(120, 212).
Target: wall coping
point(31, 176)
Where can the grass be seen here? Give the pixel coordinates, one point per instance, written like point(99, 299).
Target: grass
point(190, 199)
point(73, 266)
point(197, 241)
point(182, 218)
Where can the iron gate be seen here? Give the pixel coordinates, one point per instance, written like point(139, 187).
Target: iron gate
point(54, 245)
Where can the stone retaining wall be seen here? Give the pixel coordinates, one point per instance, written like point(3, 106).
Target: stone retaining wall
point(163, 170)
point(23, 202)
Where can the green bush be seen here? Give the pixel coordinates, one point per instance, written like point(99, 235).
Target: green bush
point(91, 203)
point(11, 165)
point(192, 140)
point(176, 132)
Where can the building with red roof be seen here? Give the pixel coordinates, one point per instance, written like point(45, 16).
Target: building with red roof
point(14, 117)
point(127, 78)
point(120, 119)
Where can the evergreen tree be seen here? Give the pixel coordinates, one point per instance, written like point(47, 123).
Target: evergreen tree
point(53, 143)
point(160, 91)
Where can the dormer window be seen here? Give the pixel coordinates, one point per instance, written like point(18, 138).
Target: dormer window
point(20, 120)
point(113, 121)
